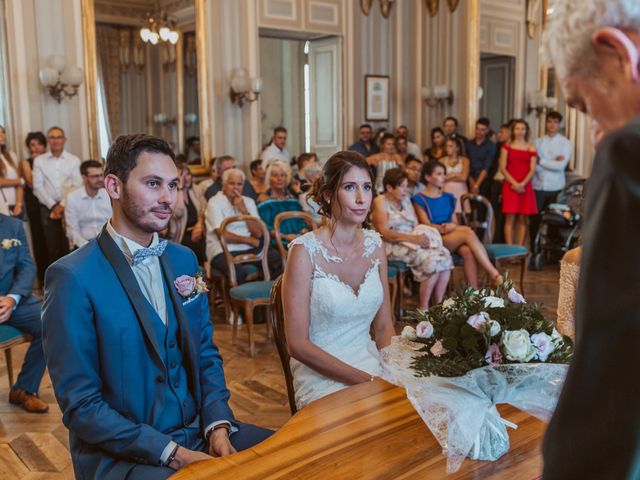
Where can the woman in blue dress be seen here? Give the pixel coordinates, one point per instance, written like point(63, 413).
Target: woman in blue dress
point(436, 208)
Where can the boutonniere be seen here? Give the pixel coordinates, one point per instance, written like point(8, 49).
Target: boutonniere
point(188, 286)
point(8, 243)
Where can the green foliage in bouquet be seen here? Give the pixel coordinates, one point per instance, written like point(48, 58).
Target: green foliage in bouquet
point(483, 327)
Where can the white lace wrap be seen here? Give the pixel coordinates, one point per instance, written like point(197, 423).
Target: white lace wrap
point(461, 411)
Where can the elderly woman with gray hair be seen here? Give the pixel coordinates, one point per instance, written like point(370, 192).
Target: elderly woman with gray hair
point(242, 237)
point(594, 46)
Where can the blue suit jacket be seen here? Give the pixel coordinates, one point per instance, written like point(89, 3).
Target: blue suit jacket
point(17, 270)
point(104, 361)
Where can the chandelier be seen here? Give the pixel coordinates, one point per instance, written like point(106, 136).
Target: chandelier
point(159, 27)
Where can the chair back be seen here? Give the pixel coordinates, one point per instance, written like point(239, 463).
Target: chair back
point(280, 219)
point(277, 323)
point(260, 257)
point(477, 213)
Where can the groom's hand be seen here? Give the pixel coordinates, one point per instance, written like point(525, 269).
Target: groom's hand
point(219, 443)
point(184, 457)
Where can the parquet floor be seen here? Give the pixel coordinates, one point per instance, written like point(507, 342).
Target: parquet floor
point(34, 446)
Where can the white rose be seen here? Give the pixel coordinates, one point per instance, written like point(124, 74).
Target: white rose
point(448, 303)
point(494, 328)
point(515, 297)
point(517, 345)
point(543, 344)
point(437, 349)
point(409, 333)
point(493, 302)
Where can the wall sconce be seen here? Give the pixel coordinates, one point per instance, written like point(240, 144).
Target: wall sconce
point(61, 81)
point(243, 88)
point(190, 118)
point(163, 119)
point(437, 95)
point(539, 102)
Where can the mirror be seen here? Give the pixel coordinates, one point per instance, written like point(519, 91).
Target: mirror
point(143, 62)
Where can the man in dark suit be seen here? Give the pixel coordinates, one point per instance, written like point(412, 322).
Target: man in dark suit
point(128, 338)
point(595, 430)
point(20, 309)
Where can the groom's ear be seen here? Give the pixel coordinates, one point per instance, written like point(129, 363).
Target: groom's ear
point(113, 186)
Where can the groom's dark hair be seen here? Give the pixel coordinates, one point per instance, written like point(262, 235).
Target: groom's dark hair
point(123, 153)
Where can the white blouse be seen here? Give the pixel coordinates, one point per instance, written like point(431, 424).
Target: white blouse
point(8, 194)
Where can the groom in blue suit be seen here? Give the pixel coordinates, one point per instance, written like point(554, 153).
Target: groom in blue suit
point(129, 350)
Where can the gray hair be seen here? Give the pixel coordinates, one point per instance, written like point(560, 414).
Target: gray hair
point(278, 164)
point(567, 41)
point(232, 171)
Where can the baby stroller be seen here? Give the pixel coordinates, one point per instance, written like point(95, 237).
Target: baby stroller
point(560, 225)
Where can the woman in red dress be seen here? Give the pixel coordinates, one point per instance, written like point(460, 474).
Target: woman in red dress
point(518, 161)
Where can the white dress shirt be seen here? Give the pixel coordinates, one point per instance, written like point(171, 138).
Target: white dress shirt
point(219, 208)
point(549, 175)
point(414, 150)
point(273, 153)
point(148, 273)
point(55, 177)
point(85, 216)
point(8, 194)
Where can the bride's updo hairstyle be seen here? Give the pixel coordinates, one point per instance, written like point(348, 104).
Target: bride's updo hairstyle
point(325, 189)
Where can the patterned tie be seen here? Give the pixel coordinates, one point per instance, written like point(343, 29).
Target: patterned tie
point(144, 253)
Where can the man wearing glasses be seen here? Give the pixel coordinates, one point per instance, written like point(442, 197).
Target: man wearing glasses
point(55, 174)
point(89, 207)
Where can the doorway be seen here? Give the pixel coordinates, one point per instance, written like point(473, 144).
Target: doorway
point(497, 77)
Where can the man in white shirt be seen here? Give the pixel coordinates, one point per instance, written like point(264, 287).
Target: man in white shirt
point(554, 153)
point(412, 148)
point(242, 237)
point(89, 207)
point(276, 151)
point(55, 174)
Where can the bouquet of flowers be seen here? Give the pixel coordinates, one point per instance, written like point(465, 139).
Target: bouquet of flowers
point(484, 327)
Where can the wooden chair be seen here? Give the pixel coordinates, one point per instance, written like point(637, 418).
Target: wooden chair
point(11, 337)
point(500, 254)
point(281, 218)
point(401, 269)
point(251, 294)
point(277, 324)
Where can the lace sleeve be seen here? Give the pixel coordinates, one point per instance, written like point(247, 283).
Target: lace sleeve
point(313, 246)
point(372, 240)
point(569, 273)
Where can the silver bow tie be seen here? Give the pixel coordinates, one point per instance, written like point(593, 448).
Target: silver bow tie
point(144, 253)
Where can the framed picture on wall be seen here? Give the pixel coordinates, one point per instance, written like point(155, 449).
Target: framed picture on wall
point(376, 99)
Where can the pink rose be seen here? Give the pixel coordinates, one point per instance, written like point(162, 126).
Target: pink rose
point(515, 297)
point(478, 321)
point(185, 285)
point(424, 330)
point(437, 349)
point(493, 355)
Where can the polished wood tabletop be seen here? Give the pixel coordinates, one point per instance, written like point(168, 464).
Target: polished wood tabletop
point(368, 431)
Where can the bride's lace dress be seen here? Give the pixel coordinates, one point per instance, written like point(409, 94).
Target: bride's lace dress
point(339, 318)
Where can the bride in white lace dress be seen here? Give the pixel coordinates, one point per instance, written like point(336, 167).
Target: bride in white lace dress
point(335, 287)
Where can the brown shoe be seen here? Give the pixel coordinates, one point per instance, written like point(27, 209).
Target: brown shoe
point(31, 403)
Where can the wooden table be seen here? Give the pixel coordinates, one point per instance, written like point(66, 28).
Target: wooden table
point(368, 431)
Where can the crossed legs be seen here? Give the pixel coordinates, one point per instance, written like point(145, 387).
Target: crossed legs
point(465, 242)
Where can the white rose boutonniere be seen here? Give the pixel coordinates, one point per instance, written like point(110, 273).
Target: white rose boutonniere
point(8, 243)
point(517, 345)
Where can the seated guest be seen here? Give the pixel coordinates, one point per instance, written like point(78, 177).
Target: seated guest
point(88, 207)
point(436, 208)
point(436, 151)
point(412, 148)
point(224, 163)
point(241, 237)
point(457, 168)
point(257, 177)
point(21, 310)
point(276, 151)
point(450, 127)
point(128, 338)
point(10, 182)
point(279, 198)
point(518, 161)
point(300, 180)
point(201, 187)
point(312, 172)
point(401, 148)
point(413, 169)
point(569, 274)
point(186, 225)
point(419, 246)
point(387, 159)
point(365, 145)
point(482, 153)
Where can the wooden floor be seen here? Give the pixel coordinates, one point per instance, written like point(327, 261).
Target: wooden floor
point(35, 446)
